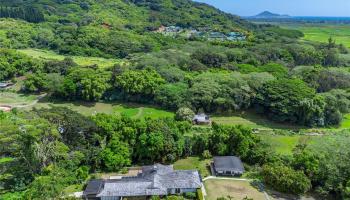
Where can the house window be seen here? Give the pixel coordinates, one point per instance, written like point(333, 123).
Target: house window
point(177, 190)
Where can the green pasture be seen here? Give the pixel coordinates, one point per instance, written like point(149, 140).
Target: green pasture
point(284, 144)
point(135, 111)
point(15, 99)
point(252, 120)
point(321, 32)
point(80, 60)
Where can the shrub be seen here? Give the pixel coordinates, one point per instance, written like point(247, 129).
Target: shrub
point(190, 195)
point(184, 114)
point(200, 194)
point(206, 154)
point(286, 179)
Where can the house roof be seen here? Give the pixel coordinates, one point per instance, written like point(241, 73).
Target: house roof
point(94, 187)
point(154, 180)
point(228, 163)
point(201, 118)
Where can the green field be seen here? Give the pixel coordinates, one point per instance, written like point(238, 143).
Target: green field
point(80, 60)
point(321, 33)
point(135, 111)
point(253, 120)
point(284, 144)
point(16, 99)
point(191, 163)
point(232, 188)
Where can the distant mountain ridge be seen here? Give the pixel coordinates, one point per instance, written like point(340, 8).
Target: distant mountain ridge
point(269, 15)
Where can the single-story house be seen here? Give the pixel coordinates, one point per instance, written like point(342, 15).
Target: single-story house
point(4, 85)
point(201, 119)
point(155, 180)
point(228, 166)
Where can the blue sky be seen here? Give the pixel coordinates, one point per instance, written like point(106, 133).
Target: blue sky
point(340, 8)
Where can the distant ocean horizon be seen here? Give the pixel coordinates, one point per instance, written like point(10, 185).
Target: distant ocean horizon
point(321, 18)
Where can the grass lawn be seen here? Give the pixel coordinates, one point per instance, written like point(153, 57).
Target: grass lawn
point(13, 99)
point(284, 144)
point(236, 189)
point(73, 188)
point(80, 60)
point(346, 122)
point(252, 120)
point(191, 163)
point(135, 111)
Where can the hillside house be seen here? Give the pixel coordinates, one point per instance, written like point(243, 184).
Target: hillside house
point(4, 85)
point(227, 166)
point(201, 119)
point(217, 36)
point(155, 180)
point(236, 36)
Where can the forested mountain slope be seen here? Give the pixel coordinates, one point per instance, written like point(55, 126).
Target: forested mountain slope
point(126, 13)
point(106, 28)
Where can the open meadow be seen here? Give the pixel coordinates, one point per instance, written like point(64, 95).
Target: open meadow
point(135, 111)
point(80, 60)
point(322, 32)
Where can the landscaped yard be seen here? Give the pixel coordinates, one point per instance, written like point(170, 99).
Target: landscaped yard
point(235, 189)
point(191, 163)
point(80, 60)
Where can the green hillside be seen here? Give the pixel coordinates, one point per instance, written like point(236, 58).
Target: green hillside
point(106, 28)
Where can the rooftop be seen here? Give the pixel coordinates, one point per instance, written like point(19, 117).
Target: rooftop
point(228, 163)
point(154, 180)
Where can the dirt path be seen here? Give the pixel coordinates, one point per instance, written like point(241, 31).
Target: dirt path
point(140, 113)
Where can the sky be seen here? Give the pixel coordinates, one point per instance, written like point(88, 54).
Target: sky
point(325, 8)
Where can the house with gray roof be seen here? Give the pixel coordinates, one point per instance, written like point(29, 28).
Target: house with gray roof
point(201, 119)
point(155, 180)
point(228, 166)
point(4, 85)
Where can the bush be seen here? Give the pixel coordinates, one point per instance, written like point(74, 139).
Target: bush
point(206, 154)
point(200, 194)
point(286, 179)
point(190, 195)
point(184, 114)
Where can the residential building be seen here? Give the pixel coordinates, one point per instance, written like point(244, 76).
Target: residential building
point(227, 166)
point(155, 180)
point(201, 119)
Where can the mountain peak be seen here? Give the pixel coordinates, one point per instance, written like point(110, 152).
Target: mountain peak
point(268, 14)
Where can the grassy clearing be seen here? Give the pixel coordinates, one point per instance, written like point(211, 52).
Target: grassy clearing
point(346, 122)
point(321, 32)
point(284, 144)
point(135, 111)
point(235, 189)
point(252, 120)
point(16, 99)
point(73, 188)
point(191, 163)
point(80, 60)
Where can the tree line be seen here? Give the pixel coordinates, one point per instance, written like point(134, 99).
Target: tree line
point(27, 13)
